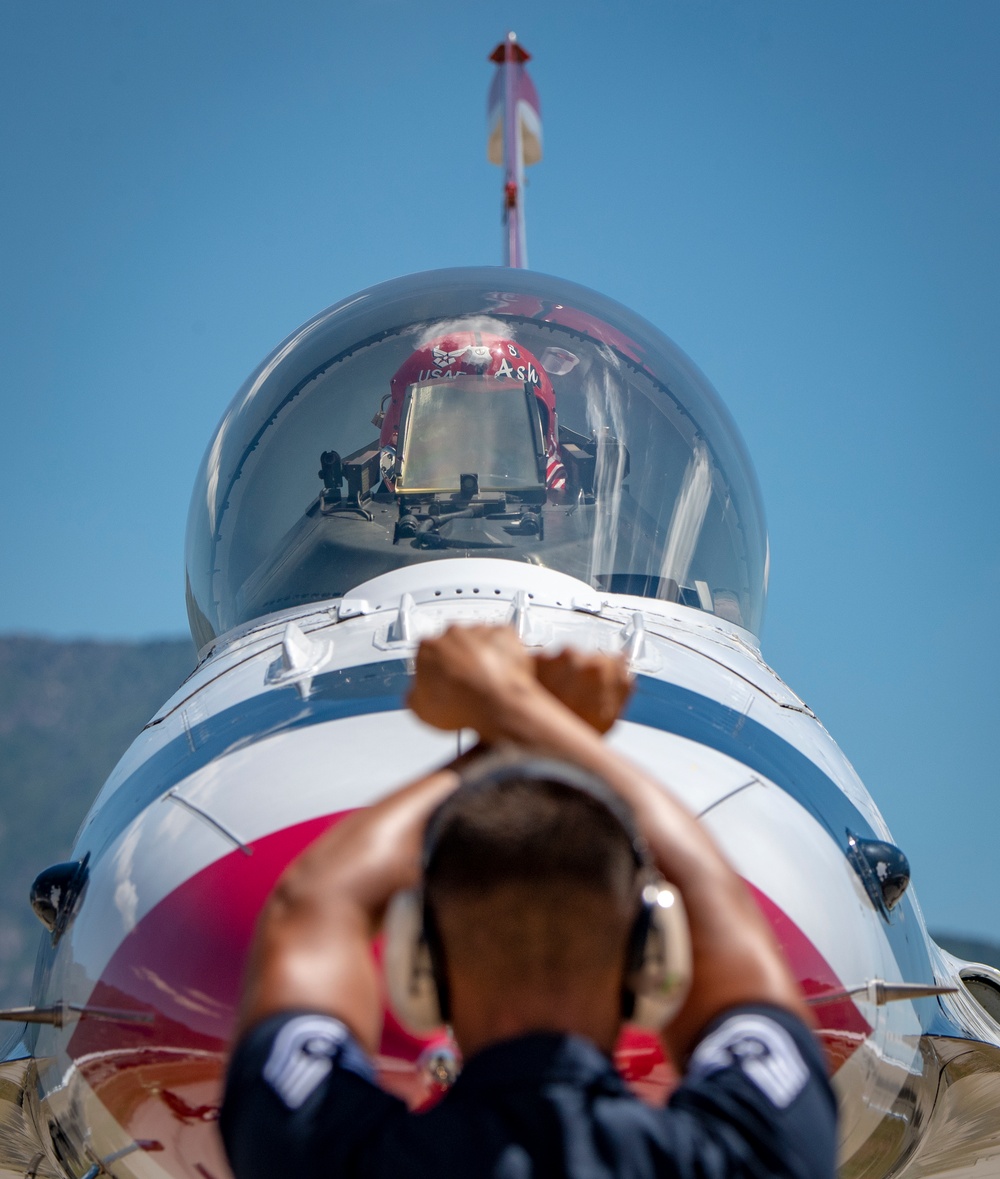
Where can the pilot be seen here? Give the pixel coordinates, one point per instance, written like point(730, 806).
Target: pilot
point(459, 355)
point(530, 906)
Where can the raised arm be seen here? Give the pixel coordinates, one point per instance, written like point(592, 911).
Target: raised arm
point(312, 949)
point(736, 959)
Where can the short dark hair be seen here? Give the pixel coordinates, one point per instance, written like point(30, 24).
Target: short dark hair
point(530, 831)
point(529, 881)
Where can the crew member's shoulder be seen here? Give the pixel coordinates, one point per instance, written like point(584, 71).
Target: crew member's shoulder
point(301, 1097)
point(768, 1046)
point(756, 1091)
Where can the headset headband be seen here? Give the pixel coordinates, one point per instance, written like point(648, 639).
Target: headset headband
point(657, 967)
point(496, 768)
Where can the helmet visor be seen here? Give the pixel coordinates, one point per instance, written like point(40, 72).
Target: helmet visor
point(469, 426)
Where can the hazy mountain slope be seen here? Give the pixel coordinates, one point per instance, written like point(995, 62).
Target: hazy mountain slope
point(68, 710)
point(973, 949)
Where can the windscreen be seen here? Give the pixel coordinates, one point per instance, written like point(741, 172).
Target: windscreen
point(616, 464)
point(472, 428)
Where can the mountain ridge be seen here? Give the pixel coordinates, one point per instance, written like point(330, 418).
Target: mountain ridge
point(68, 711)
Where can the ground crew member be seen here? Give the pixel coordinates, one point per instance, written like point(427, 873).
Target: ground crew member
point(529, 891)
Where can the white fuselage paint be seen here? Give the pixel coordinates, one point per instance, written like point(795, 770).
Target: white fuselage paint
point(266, 783)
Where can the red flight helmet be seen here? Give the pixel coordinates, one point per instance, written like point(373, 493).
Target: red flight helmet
point(475, 354)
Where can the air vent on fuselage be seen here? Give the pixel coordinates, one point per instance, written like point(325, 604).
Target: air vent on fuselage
point(985, 989)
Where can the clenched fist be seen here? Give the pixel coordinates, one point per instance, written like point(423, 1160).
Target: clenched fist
point(470, 677)
point(593, 685)
point(464, 676)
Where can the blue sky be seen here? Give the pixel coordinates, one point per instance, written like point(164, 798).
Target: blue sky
point(804, 196)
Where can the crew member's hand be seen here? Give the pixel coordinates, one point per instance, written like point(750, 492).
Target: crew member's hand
point(464, 675)
point(594, 685)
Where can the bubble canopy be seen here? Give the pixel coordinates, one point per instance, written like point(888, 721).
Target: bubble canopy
point(479, 412)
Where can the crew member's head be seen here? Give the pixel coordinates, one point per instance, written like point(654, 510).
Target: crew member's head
point(478, 362)
point(537, 910)
point(532, 886)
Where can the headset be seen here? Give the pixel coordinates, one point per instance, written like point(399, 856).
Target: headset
point(657, 973)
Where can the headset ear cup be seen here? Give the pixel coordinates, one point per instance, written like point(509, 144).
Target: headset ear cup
point(407, 965)
point(660, 982)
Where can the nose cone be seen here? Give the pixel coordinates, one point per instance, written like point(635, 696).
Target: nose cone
point(173, 899)
point(183, 960)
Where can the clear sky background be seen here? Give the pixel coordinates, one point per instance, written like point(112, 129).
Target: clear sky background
point(804, 195)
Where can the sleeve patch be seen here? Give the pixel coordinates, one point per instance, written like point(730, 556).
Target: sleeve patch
point(302, 1056)
point(762, 1049)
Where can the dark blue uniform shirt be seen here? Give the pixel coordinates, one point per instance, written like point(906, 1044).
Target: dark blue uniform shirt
point(301, 1100)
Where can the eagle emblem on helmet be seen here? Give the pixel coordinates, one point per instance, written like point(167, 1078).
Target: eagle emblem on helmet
point(475, 354)
point(444, 358)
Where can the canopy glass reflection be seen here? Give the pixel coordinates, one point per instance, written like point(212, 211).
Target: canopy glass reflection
point(554, 427)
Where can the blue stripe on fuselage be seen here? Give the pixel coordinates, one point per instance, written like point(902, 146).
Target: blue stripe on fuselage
point(382, 687)
point(356, 691)
point(673, 709)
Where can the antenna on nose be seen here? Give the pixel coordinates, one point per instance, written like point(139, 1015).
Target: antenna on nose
point(515, 139)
